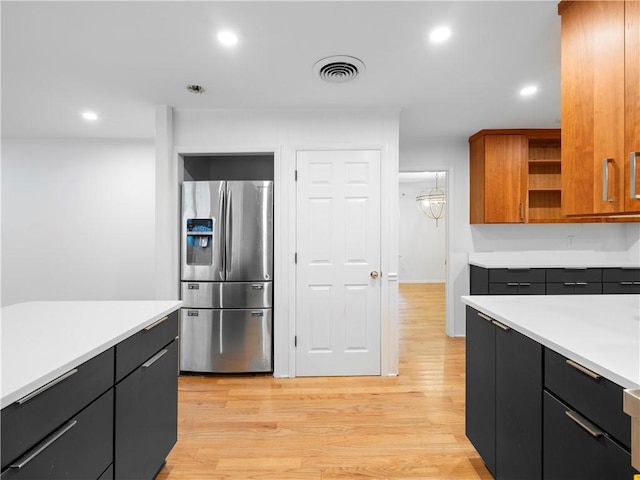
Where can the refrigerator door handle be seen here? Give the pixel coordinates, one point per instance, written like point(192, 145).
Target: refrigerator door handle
point(228, 233)
point(220, 234)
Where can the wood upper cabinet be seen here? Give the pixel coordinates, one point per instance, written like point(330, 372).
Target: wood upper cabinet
point(600, 107)
point(515, 176)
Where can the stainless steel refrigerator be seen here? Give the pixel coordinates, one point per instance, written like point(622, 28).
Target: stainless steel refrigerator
point(226, 276)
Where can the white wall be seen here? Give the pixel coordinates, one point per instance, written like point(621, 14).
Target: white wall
point(77, 220)
point(453, 153)
point(283, 133)
point(422, 243)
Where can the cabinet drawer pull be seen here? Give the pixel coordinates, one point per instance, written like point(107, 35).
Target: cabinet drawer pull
point(569, 284)
point(605, 179)
point(154, 359)
point(633, 178)
point(627, 283)
point(501, 325)
point(46, 387)
point(512, 284)
point(585, 424)
point(584, 370)
point(155, 324)
point(524, 284)
point(21, 462)
point(486, 317)
point(582, 283)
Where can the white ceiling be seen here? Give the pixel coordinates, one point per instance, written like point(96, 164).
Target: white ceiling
point(121, 59)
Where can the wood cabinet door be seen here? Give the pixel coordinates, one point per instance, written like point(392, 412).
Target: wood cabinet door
point(593, 158)
point(632, 105)
point(505, 178)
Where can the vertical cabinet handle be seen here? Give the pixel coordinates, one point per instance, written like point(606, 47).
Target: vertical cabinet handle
point(633, 175)
point(605, 179)
point(521, 211)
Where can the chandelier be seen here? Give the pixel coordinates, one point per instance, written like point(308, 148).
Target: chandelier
point(432, 202)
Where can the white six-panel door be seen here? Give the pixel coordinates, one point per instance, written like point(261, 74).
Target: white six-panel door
point(338, 263)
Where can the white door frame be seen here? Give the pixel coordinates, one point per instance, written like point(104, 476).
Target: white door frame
point(389, 327)
point(449, 211)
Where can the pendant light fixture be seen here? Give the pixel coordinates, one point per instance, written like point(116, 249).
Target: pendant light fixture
point(432, 202)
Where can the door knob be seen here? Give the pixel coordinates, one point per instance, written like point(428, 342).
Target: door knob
point(374, 274)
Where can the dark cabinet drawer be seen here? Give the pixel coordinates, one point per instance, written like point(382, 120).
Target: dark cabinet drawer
point(146, 416)
point(575, 449)
point(27, 421)
point(527, 275)
point(622, 287)
point(595, 397)
point(517, 288)
point(478, 280)
point(561, 275)
point(81, 449)
point(621, 275)
point(574, 288)
point(138, 348)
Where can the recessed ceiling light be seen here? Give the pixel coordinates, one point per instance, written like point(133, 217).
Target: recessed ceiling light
point(90, 116)
point(440, 34)
point(528, 90)
point(227, 38)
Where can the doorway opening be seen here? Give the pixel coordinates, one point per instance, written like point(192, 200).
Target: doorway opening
point(423, 239)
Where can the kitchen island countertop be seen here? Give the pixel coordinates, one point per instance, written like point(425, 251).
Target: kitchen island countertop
point(554, 259)
point(42, 340)
point(601, 332)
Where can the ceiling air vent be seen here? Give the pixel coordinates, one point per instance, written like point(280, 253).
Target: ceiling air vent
point(338, 69)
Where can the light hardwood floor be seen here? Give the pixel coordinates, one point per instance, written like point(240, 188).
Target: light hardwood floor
point(405, 427)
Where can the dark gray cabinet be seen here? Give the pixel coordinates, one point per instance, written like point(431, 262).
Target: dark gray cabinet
point(146, 404)
point(577, 449)
point(147, 416)
point(553, 281)
point(533, 413)
point(81, 448)
point(620, 280)
point(592, 395)
point(114, 416)
point(574, 281)
point(517, 281)
point(480, 394)
point(587, 435)
point(35, 416)
point(504, 410)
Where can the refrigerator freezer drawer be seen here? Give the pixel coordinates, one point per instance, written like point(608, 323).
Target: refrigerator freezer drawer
point(227, 295)
point(226, 341)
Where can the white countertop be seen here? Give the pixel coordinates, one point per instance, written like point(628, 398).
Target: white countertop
point(553, 259)
point(42, 340)
point(601, 332)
